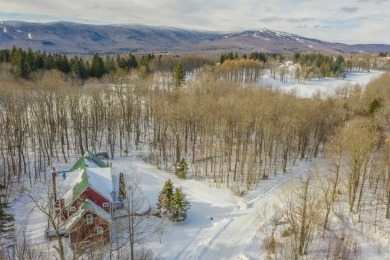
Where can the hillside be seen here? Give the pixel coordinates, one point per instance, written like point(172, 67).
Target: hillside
point(74, 38)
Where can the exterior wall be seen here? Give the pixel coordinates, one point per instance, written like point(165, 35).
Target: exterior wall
point(97, 198)
point(93, 196)
point(83, 232)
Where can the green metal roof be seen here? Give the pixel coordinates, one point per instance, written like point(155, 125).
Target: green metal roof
point(87, 160)
point(92, 157)
point(79, 187)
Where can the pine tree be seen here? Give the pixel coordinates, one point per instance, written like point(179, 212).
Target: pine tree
point(109, 64)
point(77, 68)
point(122, 186)
point(179, 76)
point(132, 61)
point(179, 206)
point(97, 67)
point(165, 197)
point(182, 169)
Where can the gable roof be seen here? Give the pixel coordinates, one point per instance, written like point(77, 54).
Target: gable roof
point(98, 179)
point(88, 205)
point(88, 171)
point(88, 160)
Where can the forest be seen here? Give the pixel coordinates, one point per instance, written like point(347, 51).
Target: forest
point(55, 107)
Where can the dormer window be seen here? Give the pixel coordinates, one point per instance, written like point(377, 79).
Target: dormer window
point(72, 209)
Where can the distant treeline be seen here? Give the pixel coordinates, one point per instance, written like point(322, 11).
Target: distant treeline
point(260, 56)
point(323, 66)
point(25, 63)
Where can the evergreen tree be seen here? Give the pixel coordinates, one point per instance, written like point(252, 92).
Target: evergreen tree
point(61, 63)
point(181, 169)
point(222, 58)
point(178, 75)
point(15, 56)
point(144, 65)
point(122, 186)
point(165, 197)
point(49, 62)
point(179, 206)
point(29, 62)
point(77, 68)
point(109, 64)
point(21, 70)
point(231, 56)
point(39, 60)
point(5, 55)
point(132, 62)
point(97, 67)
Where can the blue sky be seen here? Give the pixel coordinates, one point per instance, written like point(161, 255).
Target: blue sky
point(348, 21)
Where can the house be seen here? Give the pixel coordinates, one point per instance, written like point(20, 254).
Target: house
point(85, 196)
point(89, 224)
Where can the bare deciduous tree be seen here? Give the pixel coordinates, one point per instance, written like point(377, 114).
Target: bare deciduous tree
point(138, 225)
point(302, 215)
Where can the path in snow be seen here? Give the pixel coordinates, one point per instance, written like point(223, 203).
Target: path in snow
point(234, 240)
point(234, 227)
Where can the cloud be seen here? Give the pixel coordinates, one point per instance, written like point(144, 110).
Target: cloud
point(350, 10)
point(373, 1)
point(326, 20)
point(318, 26)
point(300, 20)
point(290, 20)
point(271, 19)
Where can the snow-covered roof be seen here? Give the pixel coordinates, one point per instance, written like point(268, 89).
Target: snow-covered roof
point(88, 160)
point(100, 179)
point(75, 182)
point(88, 205)
point(88, 171)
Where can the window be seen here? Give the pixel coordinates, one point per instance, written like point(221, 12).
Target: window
point(99, 230)
point(105, 204)
point(72, 209)
point(89, 218)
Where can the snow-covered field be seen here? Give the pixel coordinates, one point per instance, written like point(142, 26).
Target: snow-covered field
point(326, 86)
point(220, 225)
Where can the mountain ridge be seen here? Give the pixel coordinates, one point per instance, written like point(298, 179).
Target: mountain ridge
point(76, 38)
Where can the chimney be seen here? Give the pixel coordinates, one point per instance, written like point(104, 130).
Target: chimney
point(54, 178)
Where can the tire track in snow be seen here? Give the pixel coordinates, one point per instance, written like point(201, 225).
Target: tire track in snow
point(190, 251)
point(234, 240)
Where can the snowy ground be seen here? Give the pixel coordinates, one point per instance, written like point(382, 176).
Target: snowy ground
point(326, 86)
point(220, 225)
point(235, 230)
point(231, 234)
